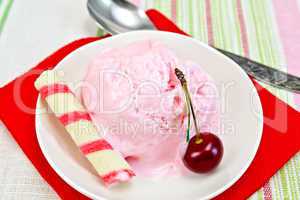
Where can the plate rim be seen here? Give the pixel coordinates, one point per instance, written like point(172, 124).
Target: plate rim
point(209, 48)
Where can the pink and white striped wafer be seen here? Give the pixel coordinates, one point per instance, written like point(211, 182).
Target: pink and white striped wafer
point(110, 165)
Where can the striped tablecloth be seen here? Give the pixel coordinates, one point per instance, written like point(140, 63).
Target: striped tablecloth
point(264, 30)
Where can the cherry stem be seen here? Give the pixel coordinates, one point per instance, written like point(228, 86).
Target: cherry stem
point(191, 106)
point(189, 117)
point(183, 82)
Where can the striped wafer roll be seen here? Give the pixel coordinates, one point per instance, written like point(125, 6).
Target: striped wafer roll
point(110, 165)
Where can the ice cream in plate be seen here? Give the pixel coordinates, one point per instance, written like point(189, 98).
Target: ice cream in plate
point(134, 95)
point(134, 88)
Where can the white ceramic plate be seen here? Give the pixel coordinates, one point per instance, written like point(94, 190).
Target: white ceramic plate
point(241, 131)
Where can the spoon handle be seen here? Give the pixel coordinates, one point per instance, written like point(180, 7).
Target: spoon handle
point(266, 74)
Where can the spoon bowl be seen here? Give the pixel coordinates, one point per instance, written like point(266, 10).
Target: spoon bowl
point(118, 16)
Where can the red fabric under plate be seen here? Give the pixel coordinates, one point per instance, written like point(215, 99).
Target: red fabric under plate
point(281, 137)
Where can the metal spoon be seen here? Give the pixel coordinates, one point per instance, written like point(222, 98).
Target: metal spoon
point(118, 16)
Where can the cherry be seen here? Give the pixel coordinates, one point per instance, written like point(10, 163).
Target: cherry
point(203, 153)
point(205, 150)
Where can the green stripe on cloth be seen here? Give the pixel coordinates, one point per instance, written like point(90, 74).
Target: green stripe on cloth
point(277, 189)
point(226, 30)
point(184, 15)
point(179, 14)
point(291, 179)
point(165, 7)
point(100, 32)
point(234, 6)
point(260, 195)
point(191, 17)
point(4, 15)
point(156, 4)
point(199, 9)
point(284, 184)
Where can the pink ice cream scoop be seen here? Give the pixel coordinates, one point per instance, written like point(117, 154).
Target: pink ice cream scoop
point(134, 94)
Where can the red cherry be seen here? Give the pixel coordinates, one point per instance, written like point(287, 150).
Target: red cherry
point(204, 153)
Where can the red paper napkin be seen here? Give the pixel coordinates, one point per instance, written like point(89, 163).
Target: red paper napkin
point(280, 139)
